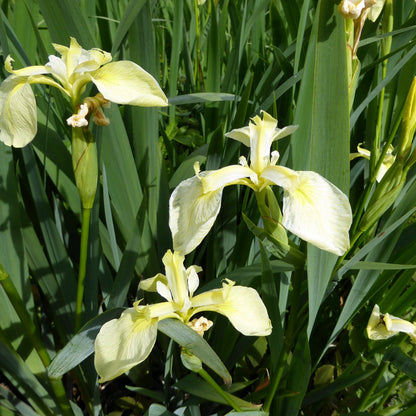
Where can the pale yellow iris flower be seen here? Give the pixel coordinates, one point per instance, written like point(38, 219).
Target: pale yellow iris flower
point(122, 82)
point(382, 326)
point(388, 160)
point(127, 341)
point(352, 9)
point(313, 208)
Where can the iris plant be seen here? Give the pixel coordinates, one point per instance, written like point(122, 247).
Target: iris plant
point(122, 82)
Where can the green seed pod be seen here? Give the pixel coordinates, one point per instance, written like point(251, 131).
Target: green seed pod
point(190, 361)
point(85, 165)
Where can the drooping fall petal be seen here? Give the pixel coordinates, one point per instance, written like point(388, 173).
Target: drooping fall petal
point(125, 82)
point(18, 121)
point(192, 214)
point(123, 343)
point(313, 208)
point(241, 305)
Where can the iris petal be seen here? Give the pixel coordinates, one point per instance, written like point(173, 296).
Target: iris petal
point(18, 120)
point(123, 343)
point(125, 82)
point(241, 305)
point(192, 213)
point(383, 326)
point(313, 208)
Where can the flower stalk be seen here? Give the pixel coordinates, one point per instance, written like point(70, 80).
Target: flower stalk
point(218, 389)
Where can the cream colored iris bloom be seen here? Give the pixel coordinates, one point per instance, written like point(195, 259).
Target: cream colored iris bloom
point(122, 82)
point(127, 341)
point(351, 9)
point(389, 159)
point(383, 326)
point(313, 208)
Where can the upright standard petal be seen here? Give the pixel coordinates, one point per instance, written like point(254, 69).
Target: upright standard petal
point(123, 343)
point(192, 214)
point(241, 305)
point(176, 277)
point(125, 82)
point(18, 121)
point(259, 136)
point(242, 135)
point(313, 208)
point(262, 132)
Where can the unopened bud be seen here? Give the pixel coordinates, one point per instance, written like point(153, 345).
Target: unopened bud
point(408, 123)
point(190, 361)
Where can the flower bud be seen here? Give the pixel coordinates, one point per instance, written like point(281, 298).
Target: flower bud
point(408, 123)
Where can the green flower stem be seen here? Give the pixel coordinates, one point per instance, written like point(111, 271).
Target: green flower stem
point(275, 382)
point(32, 332)
point(83, 257)
point(386, 395)
point(26, 320)
point(218, 389)
point(292, 329)
point(366, 396)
